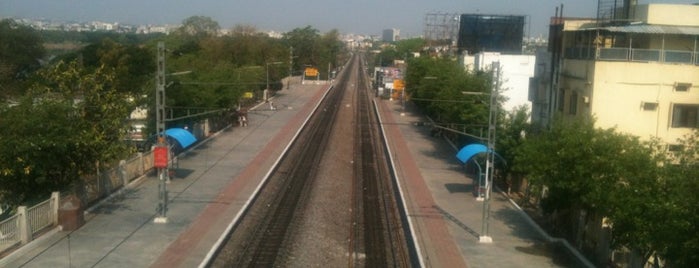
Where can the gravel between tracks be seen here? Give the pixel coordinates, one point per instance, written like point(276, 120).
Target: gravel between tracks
point(324, 230)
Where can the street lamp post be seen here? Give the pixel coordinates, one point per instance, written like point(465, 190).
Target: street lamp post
point(265, 94)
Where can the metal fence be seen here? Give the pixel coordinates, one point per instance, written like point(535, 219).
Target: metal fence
point(645, 55)
point(683, 57)
point(22, 227)
point(27, 223)
point(635, 54)
point(99, 186)
point(9, 233)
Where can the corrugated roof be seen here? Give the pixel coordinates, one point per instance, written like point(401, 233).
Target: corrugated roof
point(651, 29)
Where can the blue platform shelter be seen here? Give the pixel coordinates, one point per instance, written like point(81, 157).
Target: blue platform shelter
point(182, 136)
point(467, 153)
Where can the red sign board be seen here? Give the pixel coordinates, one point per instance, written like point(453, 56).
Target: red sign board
point(160, 157)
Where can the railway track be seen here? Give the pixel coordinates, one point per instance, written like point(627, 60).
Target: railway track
point(263, 236)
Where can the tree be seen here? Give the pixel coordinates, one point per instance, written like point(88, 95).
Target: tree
point(400, 50)
point(670, 223)
point(199, 27)
point(69, 121)
point(511, 134)
point(330, 48)
point(303, 41)
point(21, 51)
point(133, 64)
point(580, 163)
point(437, 86)
point(648, 198)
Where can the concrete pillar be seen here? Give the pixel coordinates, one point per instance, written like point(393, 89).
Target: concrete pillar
point(55, 203)
point(25, 233)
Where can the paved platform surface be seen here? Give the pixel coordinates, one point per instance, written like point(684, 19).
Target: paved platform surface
point(215, 179)
point(447, 218)
point(211, 184)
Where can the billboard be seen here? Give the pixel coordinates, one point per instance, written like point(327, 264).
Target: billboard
point(491, 33)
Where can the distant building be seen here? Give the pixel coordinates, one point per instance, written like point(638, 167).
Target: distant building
point(485, 39)
point(516, 71)
point(491, 33)
point(391, 35)
point(636, 71)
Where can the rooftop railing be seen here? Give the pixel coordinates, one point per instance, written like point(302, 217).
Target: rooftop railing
point(633, 54)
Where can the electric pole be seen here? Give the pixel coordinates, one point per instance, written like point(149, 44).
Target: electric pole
point(162, 150)
point(291, 61)
point(490, 155)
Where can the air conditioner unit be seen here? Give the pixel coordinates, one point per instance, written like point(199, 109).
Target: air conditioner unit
point(649, 106)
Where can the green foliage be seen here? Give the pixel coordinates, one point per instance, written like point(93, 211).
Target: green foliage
point(511, 134)
point(132, 64)
point(579, 164)
point(199, 27)
point(73, 117)
point(303, 40)
point(312, 49)
point(648, 197)
point(437, 86)
point(399, 50)
point(669, 217)
point(68, 122)
point(21, 51)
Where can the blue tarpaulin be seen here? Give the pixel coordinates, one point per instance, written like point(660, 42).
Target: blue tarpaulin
point(184, 137)
point(469, 151)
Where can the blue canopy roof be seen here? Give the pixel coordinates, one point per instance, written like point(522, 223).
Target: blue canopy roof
point(469, 151)
point(184, 137)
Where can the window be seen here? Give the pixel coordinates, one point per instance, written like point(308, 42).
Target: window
point(675, 147)
point(573, 108)
point(649, 106)
point(561, 99)
point(682, 87)
point(685, 115)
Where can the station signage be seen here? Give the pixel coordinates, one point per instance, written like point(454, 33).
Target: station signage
point(311, 71)
point(160, 157)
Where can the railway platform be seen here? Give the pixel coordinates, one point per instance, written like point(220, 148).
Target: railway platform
point(446, 217)
point(215, 179)
point(209, 187)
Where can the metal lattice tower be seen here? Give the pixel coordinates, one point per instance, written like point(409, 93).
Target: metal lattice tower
point(442, 27)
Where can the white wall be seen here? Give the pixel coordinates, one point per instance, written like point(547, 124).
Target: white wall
point(516, 71)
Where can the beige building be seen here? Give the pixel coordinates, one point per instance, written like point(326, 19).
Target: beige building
point(640, 75)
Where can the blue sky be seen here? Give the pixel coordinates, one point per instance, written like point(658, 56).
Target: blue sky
point(358, 16)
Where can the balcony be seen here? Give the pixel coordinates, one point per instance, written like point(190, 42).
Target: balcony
point(633, 55)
